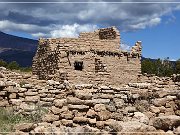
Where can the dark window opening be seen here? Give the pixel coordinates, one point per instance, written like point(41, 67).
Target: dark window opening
point(99, 66)
point(78, 65)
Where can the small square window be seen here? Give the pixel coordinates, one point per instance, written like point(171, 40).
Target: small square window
point(78, 65)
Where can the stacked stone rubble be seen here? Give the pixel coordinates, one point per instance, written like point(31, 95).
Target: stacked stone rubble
point(151, 105)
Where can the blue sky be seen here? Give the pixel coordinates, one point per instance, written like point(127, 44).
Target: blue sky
point(155, 24)
point(160, 41)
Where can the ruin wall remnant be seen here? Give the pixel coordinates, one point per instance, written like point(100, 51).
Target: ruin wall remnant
point(93, 57)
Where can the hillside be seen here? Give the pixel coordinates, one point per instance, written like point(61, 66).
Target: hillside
point(13, 48)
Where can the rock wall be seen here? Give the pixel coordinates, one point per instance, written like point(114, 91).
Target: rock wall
point(99, 56)
point(151, 105)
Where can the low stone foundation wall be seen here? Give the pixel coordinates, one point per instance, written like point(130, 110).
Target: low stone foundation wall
point(149, 106)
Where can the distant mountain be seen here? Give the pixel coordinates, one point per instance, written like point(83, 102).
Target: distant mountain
point(19, 43)
point(13, 48)
point(23, 58)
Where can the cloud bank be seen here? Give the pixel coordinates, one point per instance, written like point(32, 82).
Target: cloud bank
point(69, 19)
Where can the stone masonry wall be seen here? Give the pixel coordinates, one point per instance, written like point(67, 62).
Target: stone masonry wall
point(103, 61)
point(151, 105)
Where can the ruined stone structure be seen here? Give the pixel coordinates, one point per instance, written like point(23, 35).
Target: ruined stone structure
point(93, 57)
point(151, 106)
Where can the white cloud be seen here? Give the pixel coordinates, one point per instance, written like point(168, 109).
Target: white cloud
point(125, 47)
point(7, 25)
point(71, 30)
point(147, 23)
point(60, 20)
point(38, 35)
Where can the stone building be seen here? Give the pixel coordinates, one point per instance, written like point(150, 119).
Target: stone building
point(93, 57)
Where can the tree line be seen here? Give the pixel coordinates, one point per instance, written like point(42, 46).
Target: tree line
point(14, 66)
point(160, 67)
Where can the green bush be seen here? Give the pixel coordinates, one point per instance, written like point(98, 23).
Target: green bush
point(3, 63)
point(158, 67)
point(14, 66)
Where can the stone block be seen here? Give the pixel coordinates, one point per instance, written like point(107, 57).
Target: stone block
point(32, 99)
point(50, 117)
point(78, 107)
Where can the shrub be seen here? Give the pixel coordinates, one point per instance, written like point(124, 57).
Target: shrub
point(8, 119)
point(13, 65)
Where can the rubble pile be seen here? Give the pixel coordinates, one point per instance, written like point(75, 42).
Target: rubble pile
point(151, 105)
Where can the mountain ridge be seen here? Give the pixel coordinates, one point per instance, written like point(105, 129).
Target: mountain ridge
point(19, 49)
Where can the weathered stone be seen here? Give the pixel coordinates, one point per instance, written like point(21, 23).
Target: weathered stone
point(26, 76)
point(103, 115)
point(178, 96)
point(162, 109)
point(111, 108)
point(43, 129)
point(57, 123)
point(59, 102)
point(45, 104)
point(67, 123)
point(2, 76)
point(56, 110)
point(25, 127)
point(141, 117)
point(91, 113)
point(166, 122)
point(170, 104)
point(83, 94)
point(32, 98)
point(169, 111)
point(29, 93)
point(15, 101)
point(140, 85)
point(78, 107)
point(92, 130)
point(67, 115)
point(50, 118)
point(3, 93)
point(119, 103)
point(115, 126)
point(117, 116)
point(4, 103)
point(2, 84)
point(11, 89)
point(48, 99)
point(177, 112)
point(74, 100)
point(130, 109)
point(160, 102)
point(43, 91)
point(104, 88)
point(99, 107)
point(100, 101)
point(135, 126)
point(56, 91)
point(22, 89)
point(100, 124)
point(12, 95)
point(27, 86)
point(51, 82)
point(80, 120)
point(92, 121)
point(154, 109)
point(27, 107)
point(177, 130)
point(104, 96)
